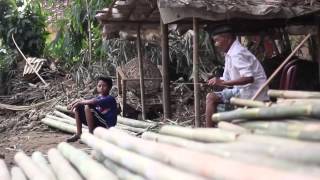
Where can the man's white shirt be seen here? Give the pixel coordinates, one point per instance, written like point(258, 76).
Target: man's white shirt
point(240, 62)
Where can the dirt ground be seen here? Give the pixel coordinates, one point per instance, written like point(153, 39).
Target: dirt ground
point(31, 141)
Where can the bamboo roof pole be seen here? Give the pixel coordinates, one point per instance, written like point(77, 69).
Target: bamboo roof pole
point(294, 94)
point(165, 73)
point(62, 168)
point(223, 150)
point(30, 168)
point(89, 168)
point(280, 67)
point(269, 113)
point(141, 71)
point(192, 161)
point(41, 161)
point(199, 134)
point(17, 174)
point(4, 172)
point(196, 72)
point(149, 168)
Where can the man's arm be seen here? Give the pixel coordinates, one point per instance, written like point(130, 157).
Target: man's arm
point(239, 81)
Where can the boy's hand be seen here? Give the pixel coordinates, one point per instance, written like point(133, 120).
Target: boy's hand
point(72, 105)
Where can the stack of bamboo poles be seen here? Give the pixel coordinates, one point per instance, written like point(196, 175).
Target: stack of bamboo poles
point(58, 119)
point(296, 115)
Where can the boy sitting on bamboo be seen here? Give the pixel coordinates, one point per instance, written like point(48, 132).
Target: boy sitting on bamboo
point(98, 111)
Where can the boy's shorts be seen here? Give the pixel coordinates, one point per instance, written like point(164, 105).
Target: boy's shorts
point(97, 117)
point(227, 94)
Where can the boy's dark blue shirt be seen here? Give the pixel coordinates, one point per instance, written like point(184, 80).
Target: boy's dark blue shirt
point(107, 106)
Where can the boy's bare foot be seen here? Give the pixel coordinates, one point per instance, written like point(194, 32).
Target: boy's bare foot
point(73, 138)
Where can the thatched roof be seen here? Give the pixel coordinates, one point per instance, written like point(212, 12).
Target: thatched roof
point(122, 16)
point(224, 10)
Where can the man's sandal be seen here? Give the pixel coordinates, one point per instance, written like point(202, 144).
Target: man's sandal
point(73, 138)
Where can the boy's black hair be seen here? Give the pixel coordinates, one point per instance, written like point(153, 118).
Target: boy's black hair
point(107, 80)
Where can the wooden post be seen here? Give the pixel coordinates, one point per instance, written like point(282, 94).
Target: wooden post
point(141, 73)
point(165, 73)
point(124, 96)
point(196, 72)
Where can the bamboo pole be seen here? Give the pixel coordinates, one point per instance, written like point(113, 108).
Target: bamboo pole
point(4, 172)
point(119, 170)
point(295, 130)
point(223, 125)
point(247, 102)
point(61, 126)
point(67, 121)
point(62, 115)
point(199, 134)
point(63, 109)
point(43, 164)
point(135, 123)
point(280, 67)
point(196, 71)
point(231, 152)
point(17, 174)
point(184, 159)
point(141, 72)
point(89, 168)
point(149, 168)
point(129, 128)
point(31, 169)
point(165, 73)
point(289, 102)
point(294, 94)
point(61, 166)
point(269, 113)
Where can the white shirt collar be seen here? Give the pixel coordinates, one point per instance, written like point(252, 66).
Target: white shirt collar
point(233, 47)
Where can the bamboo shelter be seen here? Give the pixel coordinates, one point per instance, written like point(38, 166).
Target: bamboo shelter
point(122, 18)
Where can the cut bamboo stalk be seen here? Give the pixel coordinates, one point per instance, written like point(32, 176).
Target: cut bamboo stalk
point(4, 172)
point(191, 160)
point(149, 168)
point(200, 134)
point(30, 168)
point(63, 109)
point(41, 161)
point(135, 123)
point(269, 113)
point(62, 115)
point(61, 166)
point(303, 131)
point(223, 150)
point(129, 128)
point(68, 121)
point(289, 102)
point(232, 127)
point(293, 94)
point(120, 171)
point(61, 126)
point(17, 174)
point(247, 102)
point(89, 168)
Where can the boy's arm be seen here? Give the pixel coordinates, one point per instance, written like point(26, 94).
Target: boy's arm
point(84, 102)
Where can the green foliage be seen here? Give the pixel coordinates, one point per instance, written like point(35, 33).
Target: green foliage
point(71, 44)
point(25, 20)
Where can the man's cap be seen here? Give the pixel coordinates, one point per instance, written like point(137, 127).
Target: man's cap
point(221, 30)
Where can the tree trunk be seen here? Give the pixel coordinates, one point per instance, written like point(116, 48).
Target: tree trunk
point(61, 166)
point(89, 168)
